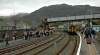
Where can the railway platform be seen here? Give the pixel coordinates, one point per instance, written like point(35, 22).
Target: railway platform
point(86, 49)
point(89, 49)
point(14, 43)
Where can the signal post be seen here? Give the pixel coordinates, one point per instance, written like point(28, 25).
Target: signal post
point(45, 24)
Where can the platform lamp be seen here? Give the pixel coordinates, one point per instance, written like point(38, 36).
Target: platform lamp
point(91, 13)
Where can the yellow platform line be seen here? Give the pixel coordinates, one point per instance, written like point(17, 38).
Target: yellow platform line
point(91, 49)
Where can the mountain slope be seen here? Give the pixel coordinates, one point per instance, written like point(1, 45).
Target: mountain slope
point(61, 10)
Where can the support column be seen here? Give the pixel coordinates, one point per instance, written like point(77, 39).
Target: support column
point(45, 26)
point(88, 23)
point(69, 24)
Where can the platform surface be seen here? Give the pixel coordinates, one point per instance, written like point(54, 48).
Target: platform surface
point(88, 49)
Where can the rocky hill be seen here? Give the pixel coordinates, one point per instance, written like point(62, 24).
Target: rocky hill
point(61, 10)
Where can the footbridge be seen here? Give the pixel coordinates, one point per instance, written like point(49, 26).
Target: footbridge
point(74, 18)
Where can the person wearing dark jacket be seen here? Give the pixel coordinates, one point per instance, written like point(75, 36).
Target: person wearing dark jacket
point(87, 33)
point(7, 38)
point(93, 32)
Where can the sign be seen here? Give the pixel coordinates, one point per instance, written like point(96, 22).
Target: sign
point(44, 20)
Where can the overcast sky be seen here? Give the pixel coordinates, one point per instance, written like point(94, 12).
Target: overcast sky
point(8, 7)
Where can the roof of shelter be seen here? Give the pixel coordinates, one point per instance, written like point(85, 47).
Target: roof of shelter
point(2, 23)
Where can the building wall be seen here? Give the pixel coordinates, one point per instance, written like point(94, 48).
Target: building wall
point(22, 25)
point(7, 28)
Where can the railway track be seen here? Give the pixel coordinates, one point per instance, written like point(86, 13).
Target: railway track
point(45, 47)
point(53, 49)
point(40, 47)
point(66, 46)
point(69, 47)
point(22, 46)
point(60, 44)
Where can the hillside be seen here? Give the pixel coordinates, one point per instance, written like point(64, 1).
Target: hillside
point(22, 14)
point(61, 10)
point(3, 17)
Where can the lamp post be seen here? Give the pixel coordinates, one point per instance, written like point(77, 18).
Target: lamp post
point(91, 13)
point(91, 18)
point(84, 13)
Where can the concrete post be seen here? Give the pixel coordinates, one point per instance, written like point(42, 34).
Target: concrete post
point(88, 23)
point(45, 25)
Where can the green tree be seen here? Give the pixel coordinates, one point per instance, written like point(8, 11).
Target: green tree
point(40, 25)
point(1, 19)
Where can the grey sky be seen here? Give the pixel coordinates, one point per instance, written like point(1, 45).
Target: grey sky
point(8, 7)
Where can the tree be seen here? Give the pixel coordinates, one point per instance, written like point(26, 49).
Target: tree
point(15, 19)
point(40, 25)
point(29, 22)
point(1, 19)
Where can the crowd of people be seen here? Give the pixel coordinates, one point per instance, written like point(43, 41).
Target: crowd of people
point(6, 37)
point(39, 33)
point(26, 35)
point(89, 33)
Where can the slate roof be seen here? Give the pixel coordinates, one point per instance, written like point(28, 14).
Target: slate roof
point(2, 23)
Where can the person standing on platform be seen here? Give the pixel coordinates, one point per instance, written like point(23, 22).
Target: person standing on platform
point(14, 36)
point(82, 31)
point(93, 33)
point(7, 38)
point(25, 35)
point(30, 33)
point(87, 33)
